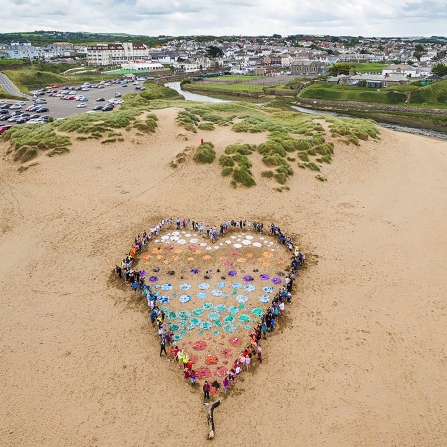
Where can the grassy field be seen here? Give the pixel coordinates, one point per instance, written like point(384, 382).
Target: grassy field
point(434, 95)
point(4, 61)
point(351, 93)
point(373, 67)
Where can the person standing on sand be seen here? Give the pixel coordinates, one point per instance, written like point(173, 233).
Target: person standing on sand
point(163, 346)
point(225, 384)
point(193, 377)
point(206, 390)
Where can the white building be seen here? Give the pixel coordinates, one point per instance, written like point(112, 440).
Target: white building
point(402, 69)
point(142, 66)
point(117, 53)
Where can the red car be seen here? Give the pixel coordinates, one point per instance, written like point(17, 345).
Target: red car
point(55, 86)
point(3, 129)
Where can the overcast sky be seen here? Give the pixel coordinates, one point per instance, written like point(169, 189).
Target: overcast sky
point(229, 17)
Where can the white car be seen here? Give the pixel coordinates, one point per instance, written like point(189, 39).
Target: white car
point(117, 94)
point(118, 101)
point(135, 83)
point(85, 89)
point(82, 105)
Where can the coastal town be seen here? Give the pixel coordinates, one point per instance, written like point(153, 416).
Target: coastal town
point(304, 55)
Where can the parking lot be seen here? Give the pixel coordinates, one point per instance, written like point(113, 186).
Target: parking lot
point(61, 108)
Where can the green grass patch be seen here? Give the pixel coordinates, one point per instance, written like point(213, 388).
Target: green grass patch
point(243, 176)
point(27, 141)
point(205, 153)
point(206, 126)
point(157, 91)
point(227, 170)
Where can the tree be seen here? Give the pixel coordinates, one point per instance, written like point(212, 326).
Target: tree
point(213, 51)
point(439, 69)
point(419, 48)
point(338, 69)
point(417, 55)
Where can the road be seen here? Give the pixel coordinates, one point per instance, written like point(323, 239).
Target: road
point(10, 88)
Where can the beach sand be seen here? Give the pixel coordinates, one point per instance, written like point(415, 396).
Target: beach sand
point(362, 361)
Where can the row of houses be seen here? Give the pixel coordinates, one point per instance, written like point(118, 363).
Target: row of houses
point(399, 74)
point(22, 49)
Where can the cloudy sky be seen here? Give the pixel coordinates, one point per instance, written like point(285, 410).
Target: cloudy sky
point(229, 17)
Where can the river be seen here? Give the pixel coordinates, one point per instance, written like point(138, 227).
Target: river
point(192, 96)
point(202, 98)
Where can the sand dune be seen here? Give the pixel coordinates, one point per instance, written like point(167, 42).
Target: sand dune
point(362, 362)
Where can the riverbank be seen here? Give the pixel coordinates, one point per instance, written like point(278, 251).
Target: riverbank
point(422, 118)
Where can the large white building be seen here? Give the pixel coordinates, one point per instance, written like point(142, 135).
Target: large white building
point(117, 53)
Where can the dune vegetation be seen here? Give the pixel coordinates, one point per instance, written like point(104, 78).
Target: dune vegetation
point(292, 139)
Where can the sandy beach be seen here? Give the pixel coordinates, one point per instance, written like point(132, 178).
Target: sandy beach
point(361, 363)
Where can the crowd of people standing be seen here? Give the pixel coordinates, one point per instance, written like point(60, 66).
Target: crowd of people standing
point(137, 280)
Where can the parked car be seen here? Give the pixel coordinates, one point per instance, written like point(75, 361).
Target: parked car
point(124, 85)
point(117, 94)
point(5, 117)
point(42, 110)
point(15, 107)
point(100, 86)
point(107, 108)
point(3, 129)
point(40, 101)
point(81, 105)
point(21, 120)
point(97, 108)
point(100, 99)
